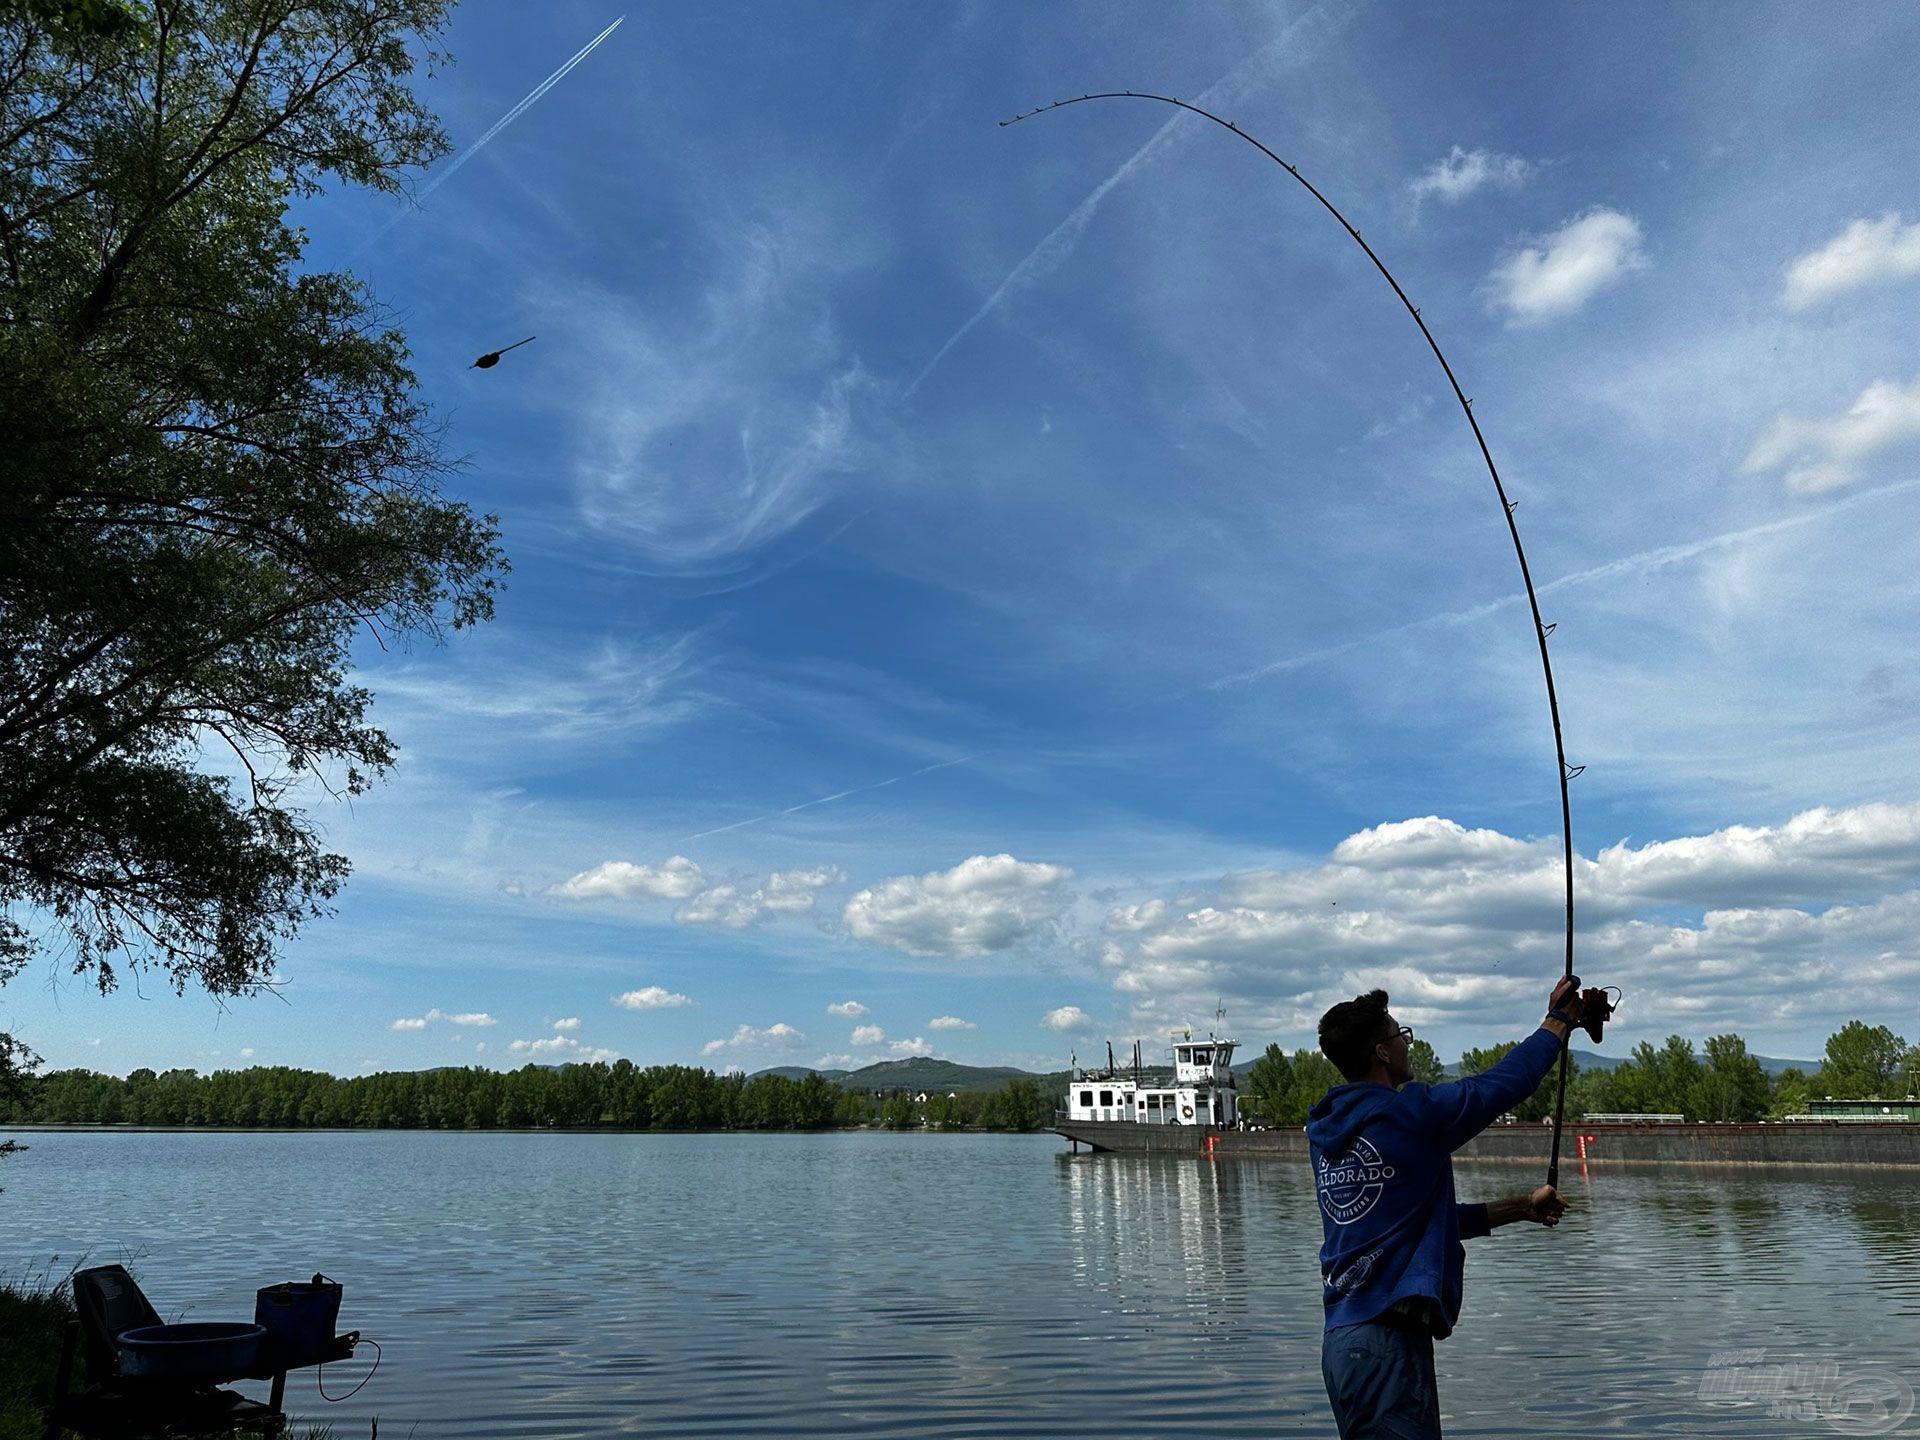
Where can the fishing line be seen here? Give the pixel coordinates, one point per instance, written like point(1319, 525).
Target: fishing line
point(1541, 629)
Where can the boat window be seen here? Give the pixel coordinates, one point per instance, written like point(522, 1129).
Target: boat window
point(1106, 1097)
point(1203, 1057)
point(1086, 1097)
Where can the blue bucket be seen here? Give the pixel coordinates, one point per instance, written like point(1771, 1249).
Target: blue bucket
point(199, 1351)
point(299, 1319)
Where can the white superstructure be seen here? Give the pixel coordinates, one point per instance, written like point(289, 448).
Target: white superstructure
point(1200, 1090)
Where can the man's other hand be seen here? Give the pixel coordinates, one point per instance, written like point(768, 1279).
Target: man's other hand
point(1545, 1206)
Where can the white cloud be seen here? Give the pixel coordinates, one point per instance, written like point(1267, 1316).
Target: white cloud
point(985, 903)
point(675, 879)
point(246, 1051)
point(777, 1036)
point(651, 997)
point(467, 1017)
point(1559, 273)
point(907, 1049)
point(732, 907)
point(950, 1022)
point(847, 1009)
point(1826, 454)
point(1461, 172)
point(1747, 928)
point(563, 1048)
point(867, 1035)
point(572, 1022)
point(1867, 252)
point(1066, 1017)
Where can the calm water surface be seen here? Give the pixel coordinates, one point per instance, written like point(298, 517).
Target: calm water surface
point(956, 1286)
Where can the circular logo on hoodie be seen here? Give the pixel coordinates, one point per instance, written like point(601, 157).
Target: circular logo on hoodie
point(1350, 1186)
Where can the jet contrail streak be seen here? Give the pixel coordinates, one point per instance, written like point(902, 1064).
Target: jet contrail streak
point(1657, 558)
point(505, 120)
point(1052, 252)
point(827, 799)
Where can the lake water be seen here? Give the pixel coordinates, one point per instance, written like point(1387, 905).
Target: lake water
point(870, 1284)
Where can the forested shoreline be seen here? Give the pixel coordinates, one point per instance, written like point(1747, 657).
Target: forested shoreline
point(620, 1096)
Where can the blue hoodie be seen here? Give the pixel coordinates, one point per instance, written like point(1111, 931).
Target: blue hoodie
point(1383, 1168)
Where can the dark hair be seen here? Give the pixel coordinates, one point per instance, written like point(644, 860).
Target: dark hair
point(1350, 1030)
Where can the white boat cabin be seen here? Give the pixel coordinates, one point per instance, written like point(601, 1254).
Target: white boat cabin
point(1200, 1091)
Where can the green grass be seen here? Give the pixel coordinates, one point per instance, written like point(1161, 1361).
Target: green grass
point(35, 1309)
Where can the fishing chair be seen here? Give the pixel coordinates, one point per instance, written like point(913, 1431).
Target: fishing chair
point(113, 1407)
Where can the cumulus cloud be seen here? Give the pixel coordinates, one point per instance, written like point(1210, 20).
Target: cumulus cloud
point(777, 1036)
point(867, 1035)
point(675, 879)
point(563, 1048)
point(983, 904)
point(733, 907)
point(246, 1051)
point(466, 1017)
point(847, 1009)
point(1459, 173)
point(908, 1049)
point(1747, 927)
point(572, 1022)
point(1556, 274)
point(1821, 455)
point(1066, 1017)
point(1867, 252)
point(950, 1022)
point(651, 997)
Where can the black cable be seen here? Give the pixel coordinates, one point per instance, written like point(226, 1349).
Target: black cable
point(1540, 629)
point(320, 1377)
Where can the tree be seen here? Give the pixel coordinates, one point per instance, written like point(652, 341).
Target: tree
point(1862, 1062)
point(215, 474)
point(1268, 1084)
point(1659, 1082)
point(1733, 1085)
point(1791, 1092)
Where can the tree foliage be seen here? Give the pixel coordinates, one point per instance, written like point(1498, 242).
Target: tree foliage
point(1538, 1105)
point(1281, 1089)
point(215, 473)
point(1863, 1061)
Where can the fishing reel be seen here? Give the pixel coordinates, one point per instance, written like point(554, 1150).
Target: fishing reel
point(1596, 1007)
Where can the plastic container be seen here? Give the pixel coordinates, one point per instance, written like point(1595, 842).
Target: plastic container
point(202, 1351)
point(298, 1318)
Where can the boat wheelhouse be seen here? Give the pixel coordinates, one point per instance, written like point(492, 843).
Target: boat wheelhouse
point(1200, 1091)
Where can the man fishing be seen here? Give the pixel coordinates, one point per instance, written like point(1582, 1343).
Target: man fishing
point(1392, 1262)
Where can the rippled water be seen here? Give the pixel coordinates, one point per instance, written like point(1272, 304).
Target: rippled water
point(883, 1285)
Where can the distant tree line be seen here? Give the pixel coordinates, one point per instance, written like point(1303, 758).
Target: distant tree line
point(617, 1096)
point(1724, 1083)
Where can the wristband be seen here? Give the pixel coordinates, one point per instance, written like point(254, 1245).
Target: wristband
point(1564, 1018)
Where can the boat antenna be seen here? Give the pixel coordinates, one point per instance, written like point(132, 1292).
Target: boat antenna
point(1541, 629)
point(1109, 1057)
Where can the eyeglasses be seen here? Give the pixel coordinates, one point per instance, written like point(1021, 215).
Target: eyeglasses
point(1405, 1032)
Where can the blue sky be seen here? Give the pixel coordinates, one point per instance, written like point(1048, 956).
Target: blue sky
point(983, 591)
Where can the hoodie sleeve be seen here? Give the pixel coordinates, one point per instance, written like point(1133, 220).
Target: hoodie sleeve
point(1473, 1221)
point(1460, 1109)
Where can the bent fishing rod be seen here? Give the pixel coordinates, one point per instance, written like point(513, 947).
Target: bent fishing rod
point(1597, 1007)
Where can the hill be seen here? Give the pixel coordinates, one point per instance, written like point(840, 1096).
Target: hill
point(921, 1072)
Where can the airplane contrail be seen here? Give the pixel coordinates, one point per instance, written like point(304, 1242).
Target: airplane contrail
point(1658, 557)
point(1052, 252)
point(825, 799)
point(505, 120)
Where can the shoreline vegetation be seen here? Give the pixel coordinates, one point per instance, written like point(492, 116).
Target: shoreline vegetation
point(1725, 1084)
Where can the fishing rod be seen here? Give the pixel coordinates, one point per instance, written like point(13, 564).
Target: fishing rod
point(1541, 629)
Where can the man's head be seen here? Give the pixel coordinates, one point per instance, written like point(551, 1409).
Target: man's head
point(1363, 1041)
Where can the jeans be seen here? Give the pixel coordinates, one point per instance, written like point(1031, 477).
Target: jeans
point(1380, 1380)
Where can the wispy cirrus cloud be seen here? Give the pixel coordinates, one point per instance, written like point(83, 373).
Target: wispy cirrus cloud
point(1865, 253)
point(1556, 274)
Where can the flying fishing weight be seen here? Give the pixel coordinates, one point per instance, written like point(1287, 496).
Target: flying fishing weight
point(1541, 630)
